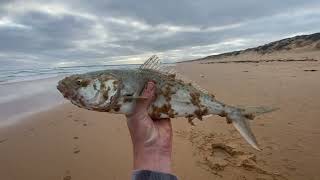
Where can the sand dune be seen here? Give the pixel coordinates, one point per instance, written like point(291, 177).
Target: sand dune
point(303, 47)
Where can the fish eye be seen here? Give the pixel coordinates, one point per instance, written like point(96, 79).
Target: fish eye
point(79, 81)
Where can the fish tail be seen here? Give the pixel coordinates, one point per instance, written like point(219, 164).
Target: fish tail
point(240, 117)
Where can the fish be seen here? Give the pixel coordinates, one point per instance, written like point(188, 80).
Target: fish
point(118, 90)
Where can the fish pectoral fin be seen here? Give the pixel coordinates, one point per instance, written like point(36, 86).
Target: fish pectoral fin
point(135, 98)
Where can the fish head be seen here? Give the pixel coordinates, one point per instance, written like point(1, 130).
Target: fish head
point(94, 92)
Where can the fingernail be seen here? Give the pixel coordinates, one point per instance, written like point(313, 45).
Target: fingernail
point(150, 85)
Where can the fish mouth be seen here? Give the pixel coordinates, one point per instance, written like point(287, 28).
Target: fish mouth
point(64, 90)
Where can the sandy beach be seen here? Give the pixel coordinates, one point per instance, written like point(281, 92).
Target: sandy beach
point(69, 143)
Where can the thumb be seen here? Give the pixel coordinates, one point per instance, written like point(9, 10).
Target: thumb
point(149, 93)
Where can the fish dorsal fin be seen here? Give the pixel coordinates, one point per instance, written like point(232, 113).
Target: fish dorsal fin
point(154, 63)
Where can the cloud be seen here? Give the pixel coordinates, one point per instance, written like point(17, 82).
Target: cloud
point(56, 32)
point(188, 12)
point(6, 22)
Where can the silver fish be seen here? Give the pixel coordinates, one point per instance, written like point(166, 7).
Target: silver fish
point(116, 91)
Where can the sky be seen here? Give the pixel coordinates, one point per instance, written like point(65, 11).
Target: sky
point(55, 33)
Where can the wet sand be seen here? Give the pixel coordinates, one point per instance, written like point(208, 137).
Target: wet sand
point(71, 143)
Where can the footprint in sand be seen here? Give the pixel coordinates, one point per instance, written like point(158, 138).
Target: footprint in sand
point(219, 154)
point(268, 148)
point(289, 164)
point(70, 115)
point(67, 178)
point(30, 132)
point(76, 137)
point(3, 140)
point(76, 150)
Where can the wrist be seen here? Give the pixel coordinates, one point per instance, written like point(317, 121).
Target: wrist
point(152, 158)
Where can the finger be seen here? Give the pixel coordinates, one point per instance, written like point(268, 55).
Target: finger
point(142, 105)
point(150, 85)
point(149, 89)
point(149, 93)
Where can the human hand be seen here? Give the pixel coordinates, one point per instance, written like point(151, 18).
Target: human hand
point(151, 138)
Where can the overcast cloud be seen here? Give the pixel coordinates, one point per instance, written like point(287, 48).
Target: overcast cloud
point(67, 33)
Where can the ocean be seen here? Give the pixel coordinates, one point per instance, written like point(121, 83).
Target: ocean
point(19, 75)
point(28, 91)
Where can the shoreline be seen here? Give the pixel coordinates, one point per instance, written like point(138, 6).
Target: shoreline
point(27, 115)
point(25, 98)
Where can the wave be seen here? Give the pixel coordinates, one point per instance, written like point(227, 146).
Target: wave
point(19, 75)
